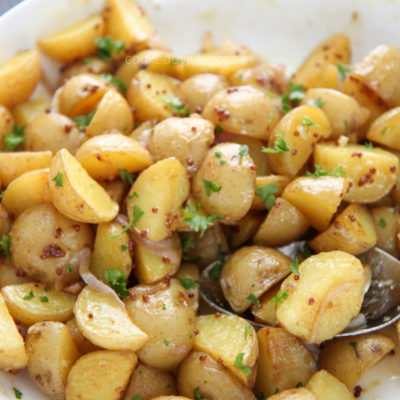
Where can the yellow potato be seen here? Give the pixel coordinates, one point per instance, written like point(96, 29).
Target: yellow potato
point(244, 230)
point(326, 387)
point(352, 231)
point(76, 194)
point(117, 190)
point(224, 337)
point(101, 375)
point(188, 276)
point(324, 300)
point(294, 394)
point(279, 180)
point(84, 345)
point(25, 113)
point(30, 303)
point(52, 352)
point(284, 362)
point(386, 221)
point(9, 275)
point(250, 272)
point(12, 350)
point(104, 156)
point(89, 65)
point(19, 77)
point(348, 359)
point(266, 312)
point(29, 189)
point(13, 165)
point(6, 124)
point(76, 41)
point(161, 189)
point(371, 172)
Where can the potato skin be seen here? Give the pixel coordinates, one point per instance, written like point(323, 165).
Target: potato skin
point(294, 394)
point(326, 386)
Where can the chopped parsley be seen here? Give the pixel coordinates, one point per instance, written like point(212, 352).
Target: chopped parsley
point(210, 186)
point(342, 71)
point(177, 107)
point(215, 271)
point(320, 171)
point(117, 281)
point(319, 102)
point(106, 47)
point(218, 130)
point(266, 194)
point(164, 307)
point(382, 223)
point(29, 296)
point(197, 222)
point(138, 396)
point(2, 194)
point(307, 122)
point(384, 130)
point(187, 242)
point(243, 150)
point(18, 394)
point(14, 139)
point(166, 342)
point(295, 266)
point(118, 83)
point(137, 214)
point(280, 145)
point(253, 300)
point(368, 145)
point(69, 268)
point(299, 384)
point(218, 154)
point(189, 283)
point(346, 126)
point(306, 251)
point(58, 179)
point(271, 115)
point(238, 363)
point(260, 396)
point(82, 121)
point(354, 345)
point(124, 247)
point(140, 371)
point(5, 246)
point(127, 176)
point(247, 330)
point(292, 98)
point(197, 395)
point(86, 61)
point(280, 296)
point(44, 299)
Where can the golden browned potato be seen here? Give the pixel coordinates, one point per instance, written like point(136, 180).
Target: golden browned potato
point(324, 300)
point(186, 139)
point(43, 242)
point(244, 230)
point(89, 65)
point(6, 124)
point(243, 110)
point(266, 312)
point(348, 359)
point(250, 272)
point(352, 231)
point(188, 276)
point(18, 77)
point(201, 375)
point(386, 227)
point(101, 375)
point(280, 181)
point(52, 352)
point(284, 362)
point(84, 345)
point(227, 188)
point(117, 190)
point(326, 387)
point(294, 394)
point(164, 312)
point(24, 113)
point(9, 275)
point(371, 172)
point(76, 41)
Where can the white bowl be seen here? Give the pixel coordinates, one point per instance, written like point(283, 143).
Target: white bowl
point(281, 31)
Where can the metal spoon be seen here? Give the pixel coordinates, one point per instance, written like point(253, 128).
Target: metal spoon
point(381, 304)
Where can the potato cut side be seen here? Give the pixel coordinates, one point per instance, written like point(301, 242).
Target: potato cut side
point(24, 113)
point(75, 194)
point(101, 375)
point(386, 226)
point(294, 394)
point(243, 230)
point(105, 323)
point(9, 274)
point(279, 180)
point(348, 359)
point(323, 301)
point(224, 338)
point(29, 303)
point(188, 275)
point(326, 387)
point(353, 231)
point(266, 312)
point(12, 349)
point(74, 42)
point(317, 198)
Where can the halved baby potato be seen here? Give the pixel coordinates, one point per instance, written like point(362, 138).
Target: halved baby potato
point(280, 181)
point(327, 387)
point(24, 113)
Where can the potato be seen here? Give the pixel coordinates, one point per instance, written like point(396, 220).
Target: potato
point(117, 190)
point(244, 230)
point(243, 110)
point(52, 132)
point(352, 231)
point(200, 374)
point(112, 112)
point(76, 194)
point(154, 95)
point(231, 339)
point(30, 303)
point(6, 124)
point(5, 221)
point(278, 180)
point(324, 300)
point(161, 190)
point(84, 345)
point(89, 65)
point(152, 265)
point(43, 242)
point(127, 21)
point(344, 113)
point(12, 165)
point(76, 41)
point(349, 358)
point(25, 113)
point(386, 221)
point(18, 77)
point(110, 252)
point(9, 275)
point(198, 89)
point(186, 139)
point(148, 382)
point(228, 189)
point(104, 156)
point(188, 276)
point(317, 198)
point(266, 312)
point(284, 362)
point(52, 352)
point(28, 190)
point(12, 350)
point(158, 310)
point(301, 128)
point(326, 387)
point(250, 272)
point(294, 394)
point(101, 375)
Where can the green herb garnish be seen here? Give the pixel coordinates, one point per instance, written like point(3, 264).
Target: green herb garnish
point(342, 71)
point(106, 47)
point(15, 138)
point(137, 214)
point(280, 296)
point(293, 97)
point(253, 300)
point(320, 171)
point(197, 222)
point(118, 83)
point(280, 145)
point(117, 281)
point(177, 107)
point(266, 194)
point(5, 243)
point(82, 121)
point(127, 176)
point(189, 283)
point(210, 186)
point(29, 296)
point(238, 363)
point(295, 266)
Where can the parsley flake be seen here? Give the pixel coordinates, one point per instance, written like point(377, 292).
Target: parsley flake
point(177, 107)
point(238, 363)
point(299, 384)
point(187, 242)
point(44, 299)
point(342, 71)
point(293, 97)
point(253, 300)
point(189, 283)
point(106, 47)
point(58, 179)
point(14, 139)
point(307, 122)
point(118, 83)
point(280, 296)
point(86, 61)
point(210, 186)
point(18, 394)
point(138, 396)
point(2, 194)
point(260, 396)
point(197, 395)
point(218, 154)
point(137, 214)
point(124, 247)
point(319, 102)
point(382, 223)
point(243, 150)
point(82, 121)
point(247, 330)
point(218, 130)
point(280, 145)
point(5, 243)
point(354, 345)
point(215, 271)
point(166, 342)
point(29, 296)
point(117, 281)
point(295, 266)
point(69, 268)
point(127, 176)
point(368, 145)
point(266, 194)
point(197, 222)
point(320, 171)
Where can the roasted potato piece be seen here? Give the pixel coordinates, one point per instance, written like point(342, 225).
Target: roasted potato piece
point(371, 172)
point(266, 312)
point(326, 387)
point(250, 272)
point(294, 394)
point(200, 374)
point(284, 362)
point(188, 276)
point(101, 375)
point(117, 190)
point(18, 77)
point(243, 110)
point(43, 242)
point(244, 230)
point(159, 309)
point(25, 113)
point(76, 194)
point(104, 156)
point(103, 321)
point(279, 180)
point(84, 345)
point(6, 124)
point(76, 41)
point(224, 337)
point(348, 359)
point(51, 352)
point(323, 301)
point(352, 231)
point(9, 275)
point(89, 65)
point(386, 221)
